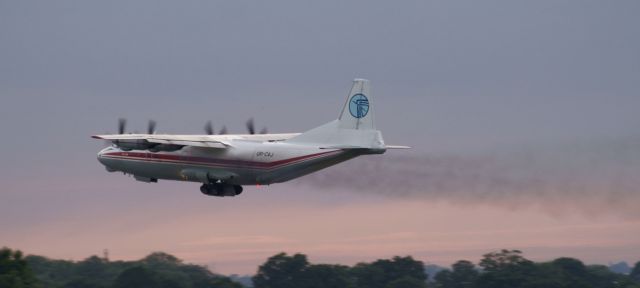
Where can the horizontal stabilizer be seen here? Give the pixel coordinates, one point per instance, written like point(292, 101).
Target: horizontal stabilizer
point(396, 147)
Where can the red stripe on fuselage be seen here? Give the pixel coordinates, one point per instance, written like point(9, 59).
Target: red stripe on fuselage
point(153, 157)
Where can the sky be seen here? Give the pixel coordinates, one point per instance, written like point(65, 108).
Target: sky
point(522, 117)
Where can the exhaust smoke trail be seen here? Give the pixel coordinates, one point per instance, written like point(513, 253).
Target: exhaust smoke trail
point(594, 178)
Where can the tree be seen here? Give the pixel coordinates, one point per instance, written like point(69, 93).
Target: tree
point(635, 272)
point(505, 268)
point(443, 279)
point(281, 271)
point(51, 273)
point(93, 270)
point(407, 282)
point(549, 276)
point(369, 276)
point(326, 276)
point(572, 272)
point(136, 277)
point(161, 258)
point(463, 275)
point(14, 270)
point(83, 282)
point(382, 272)
point(601, 277)
point(503, 259)
point(222, 282)
point(159, 269)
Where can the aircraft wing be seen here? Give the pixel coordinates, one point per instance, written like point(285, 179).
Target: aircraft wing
point(183, 140)
point(210, 141)
point(189, 140)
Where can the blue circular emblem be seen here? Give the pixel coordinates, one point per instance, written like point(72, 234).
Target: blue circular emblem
point(359, 105)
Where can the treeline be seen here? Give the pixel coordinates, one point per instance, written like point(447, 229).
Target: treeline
point(501, 269)
point(156, 270)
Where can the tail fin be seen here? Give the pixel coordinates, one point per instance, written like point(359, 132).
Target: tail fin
point(353, 129)
point(357, 112)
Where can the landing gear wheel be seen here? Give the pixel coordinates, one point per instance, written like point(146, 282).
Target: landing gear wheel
point(220, 189)
point(238, 189)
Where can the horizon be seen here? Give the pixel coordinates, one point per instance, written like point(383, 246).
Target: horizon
point(427, 265)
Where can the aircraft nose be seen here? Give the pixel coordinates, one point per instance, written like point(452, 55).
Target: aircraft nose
point(103, 160)
point(101, 154)
point(103, 151)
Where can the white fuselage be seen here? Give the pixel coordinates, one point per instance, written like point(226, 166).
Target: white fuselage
point(245, 163)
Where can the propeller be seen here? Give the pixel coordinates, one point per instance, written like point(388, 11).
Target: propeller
point(252, 128)
point(151, 128)
point(122, 123)
point(209, 128)
point(210, 131)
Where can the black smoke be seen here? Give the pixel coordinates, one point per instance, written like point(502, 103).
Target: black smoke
point(593, 178)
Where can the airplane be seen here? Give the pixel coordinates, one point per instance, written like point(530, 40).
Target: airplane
point(225, 162)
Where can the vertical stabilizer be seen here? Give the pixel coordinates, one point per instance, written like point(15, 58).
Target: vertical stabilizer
point(357, 111)
point(353, 129)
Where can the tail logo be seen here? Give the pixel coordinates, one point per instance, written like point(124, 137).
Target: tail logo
point(359, 105)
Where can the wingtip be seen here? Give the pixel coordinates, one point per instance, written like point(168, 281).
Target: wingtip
point(96, 137)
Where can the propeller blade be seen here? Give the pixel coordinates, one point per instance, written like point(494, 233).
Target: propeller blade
point(223, 130)
point(151, 128)
point(264, 130)
point(122, 123)
point(209, 128)
point(250, 127)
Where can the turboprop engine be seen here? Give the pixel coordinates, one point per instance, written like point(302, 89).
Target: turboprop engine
point(142, 144)
point(128, 145)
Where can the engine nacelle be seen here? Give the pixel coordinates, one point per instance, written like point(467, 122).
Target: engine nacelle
point(164, 147)
point(141, 144)
point(135, 144)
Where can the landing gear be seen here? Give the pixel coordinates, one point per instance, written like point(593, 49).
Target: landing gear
point(220, 189)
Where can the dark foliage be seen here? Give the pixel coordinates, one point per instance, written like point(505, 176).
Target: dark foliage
point(462, 275)
point(14, 270)
point(283, 271)
point(504, 268)
point(635, 272)
point(383, 273)
point(156, 270)
point(508, 268)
